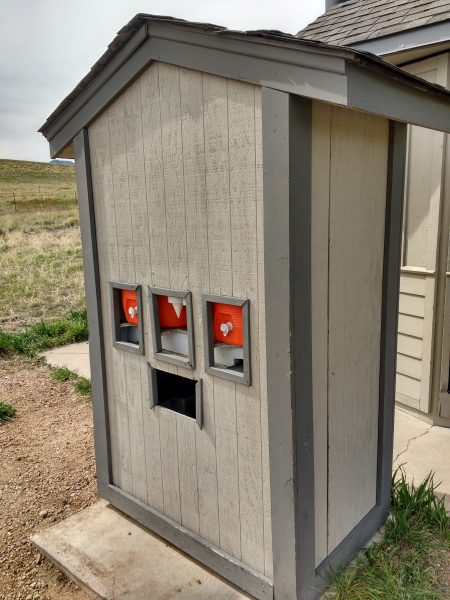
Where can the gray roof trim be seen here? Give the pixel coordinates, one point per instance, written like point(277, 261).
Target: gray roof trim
point(267, 58)
point(93, 81)
point(373, 93)
point(412, 39)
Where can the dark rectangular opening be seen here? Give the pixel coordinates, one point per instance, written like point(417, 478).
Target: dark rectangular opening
point(176, 393)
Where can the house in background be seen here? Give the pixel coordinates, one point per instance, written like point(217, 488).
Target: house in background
point(414, 35)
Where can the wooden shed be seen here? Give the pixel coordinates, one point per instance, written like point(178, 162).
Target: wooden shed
point(240, 201)
point(416, 39)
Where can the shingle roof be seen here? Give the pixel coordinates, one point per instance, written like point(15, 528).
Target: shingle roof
point(360, 20)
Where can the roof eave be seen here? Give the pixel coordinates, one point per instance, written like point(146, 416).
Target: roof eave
point(401, 42)
point(309, 69)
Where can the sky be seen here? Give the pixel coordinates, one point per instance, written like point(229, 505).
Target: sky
point(47, 46)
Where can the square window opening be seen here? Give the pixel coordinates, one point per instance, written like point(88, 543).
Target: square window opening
point(227, 338)
point(172, 326)
point(127, 314)
point(176, 393)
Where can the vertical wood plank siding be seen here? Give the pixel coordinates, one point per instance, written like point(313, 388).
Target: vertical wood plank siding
point(348, 221)
point(177, 178)
point(357, 226)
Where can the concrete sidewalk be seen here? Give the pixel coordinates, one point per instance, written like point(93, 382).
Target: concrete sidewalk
point(73, 356)
point(422, 448)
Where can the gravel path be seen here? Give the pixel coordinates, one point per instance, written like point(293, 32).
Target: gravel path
point(46, 474)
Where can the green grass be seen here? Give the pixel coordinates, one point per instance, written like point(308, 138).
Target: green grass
point(81, 384)
point(40, 336)
point(7, 412)
point(45, 176)
point(407, 563)
point(40, 248)
point(63, 374)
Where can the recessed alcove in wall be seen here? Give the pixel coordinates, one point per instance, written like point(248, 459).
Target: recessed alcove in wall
point(126, 302)
point(227, 337)
point(174, 392)
point(172, 325)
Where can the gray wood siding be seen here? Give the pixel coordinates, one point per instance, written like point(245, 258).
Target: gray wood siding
point(348, 221)
point(177, 177)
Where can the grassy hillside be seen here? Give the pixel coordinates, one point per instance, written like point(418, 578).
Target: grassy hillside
point(40, 248)
point(26, 175)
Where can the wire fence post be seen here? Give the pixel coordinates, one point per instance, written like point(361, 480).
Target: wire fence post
point(14, 198)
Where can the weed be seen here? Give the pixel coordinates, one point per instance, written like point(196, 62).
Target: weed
point(63, 374)
point(83, 386)
point(7, 412)
point(405, 564)
point(42, 335)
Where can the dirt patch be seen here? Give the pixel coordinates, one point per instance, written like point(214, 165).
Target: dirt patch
point(46, 474)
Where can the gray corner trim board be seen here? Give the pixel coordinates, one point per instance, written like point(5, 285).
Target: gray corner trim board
point(278, 265)
point(218, 561)
point(94, 309)
point(159, 353)
point(300, 169)
point(375, 94)
point(366, 528)
point(413, 39)
point(390, 299)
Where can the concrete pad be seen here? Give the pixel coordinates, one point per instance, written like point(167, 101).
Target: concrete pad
point(114, 558)
point(422, 448)
point(73, 356)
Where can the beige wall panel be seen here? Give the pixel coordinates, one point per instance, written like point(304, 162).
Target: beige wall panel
point(409, 346)
point(321, 125)
point(410, 325)
point(424, 174)
point(411, 305)
point(222, 393)
point(412, 367)
point(422, 215)
point(357, 221)
point(408, 386)
point(195, 194)
point(412, 284)
point(122, 271)
point(178, 192)
point(244, 229)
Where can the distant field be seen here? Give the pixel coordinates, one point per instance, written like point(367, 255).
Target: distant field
point(27, 185)
point(40, 249)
